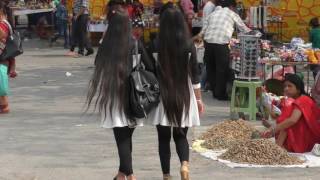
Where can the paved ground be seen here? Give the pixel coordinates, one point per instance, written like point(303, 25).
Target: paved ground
point(47, 136)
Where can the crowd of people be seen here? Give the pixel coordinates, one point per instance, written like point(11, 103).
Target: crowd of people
point(173, 60)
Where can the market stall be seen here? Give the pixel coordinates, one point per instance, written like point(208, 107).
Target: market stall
point(32, 12)
point(237, 143)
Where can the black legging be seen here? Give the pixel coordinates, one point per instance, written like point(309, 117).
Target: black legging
point(81, 33)
point(182, 145)
point(217, 58)
point(123, 136)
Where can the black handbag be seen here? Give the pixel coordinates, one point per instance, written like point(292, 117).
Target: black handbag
point(144, 89)
point(13, 45)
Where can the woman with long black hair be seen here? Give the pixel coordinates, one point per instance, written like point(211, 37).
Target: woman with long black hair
point(109, 84)
point(179, 78)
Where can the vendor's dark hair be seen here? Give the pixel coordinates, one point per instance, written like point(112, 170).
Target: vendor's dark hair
point(297, 81)
point(109, 80)
point(174, 45)
point(314, 22)
point(226, 3)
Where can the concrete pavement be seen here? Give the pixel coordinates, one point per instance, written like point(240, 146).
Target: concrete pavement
point(47, 136)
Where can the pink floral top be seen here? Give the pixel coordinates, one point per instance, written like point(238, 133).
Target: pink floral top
point(5, 29)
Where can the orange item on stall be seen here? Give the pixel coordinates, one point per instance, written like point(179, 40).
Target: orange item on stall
point(311, 56)
point(317, 54)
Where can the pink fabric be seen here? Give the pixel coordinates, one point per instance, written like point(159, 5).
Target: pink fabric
point(5, 29)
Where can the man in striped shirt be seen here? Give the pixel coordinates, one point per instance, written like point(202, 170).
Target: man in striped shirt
point(81, 17)
point(217, 32)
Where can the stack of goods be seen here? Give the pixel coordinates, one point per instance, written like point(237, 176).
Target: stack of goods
point(31, 4)
point(223, 135)
point(259, 152)
point(38, 5)
point(150, 19)
point(296, 51)
point(313, 56)
point(258, 17)
point(250, 54)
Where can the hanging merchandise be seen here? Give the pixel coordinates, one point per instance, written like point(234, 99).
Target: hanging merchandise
point(258, 17)
point(250, 54)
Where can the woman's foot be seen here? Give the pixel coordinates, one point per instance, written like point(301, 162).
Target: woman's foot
point(166, 177)
point(71, 53)
point(131, 177)
point(184, 171)
point(4, 109)
point(120, 176)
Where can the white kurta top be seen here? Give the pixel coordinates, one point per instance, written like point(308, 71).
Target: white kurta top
point(158, 117)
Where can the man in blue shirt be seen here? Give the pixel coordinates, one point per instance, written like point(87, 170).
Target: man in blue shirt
point(62, 24)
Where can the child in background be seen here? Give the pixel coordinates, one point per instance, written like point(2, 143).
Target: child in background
point(62, 24)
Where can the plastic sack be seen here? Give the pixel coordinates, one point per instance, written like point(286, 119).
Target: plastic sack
point(296, 41)
point(316, 150)
point(269, 101)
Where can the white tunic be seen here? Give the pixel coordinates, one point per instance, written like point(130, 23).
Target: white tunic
point(155, 117)
point(118, 119)
point(158, 117)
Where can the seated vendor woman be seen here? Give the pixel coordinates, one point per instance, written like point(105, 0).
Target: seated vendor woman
point(298, 127)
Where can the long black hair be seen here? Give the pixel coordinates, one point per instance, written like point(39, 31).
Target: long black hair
point(174, 48)
point(111, 64)
point(297, 81)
